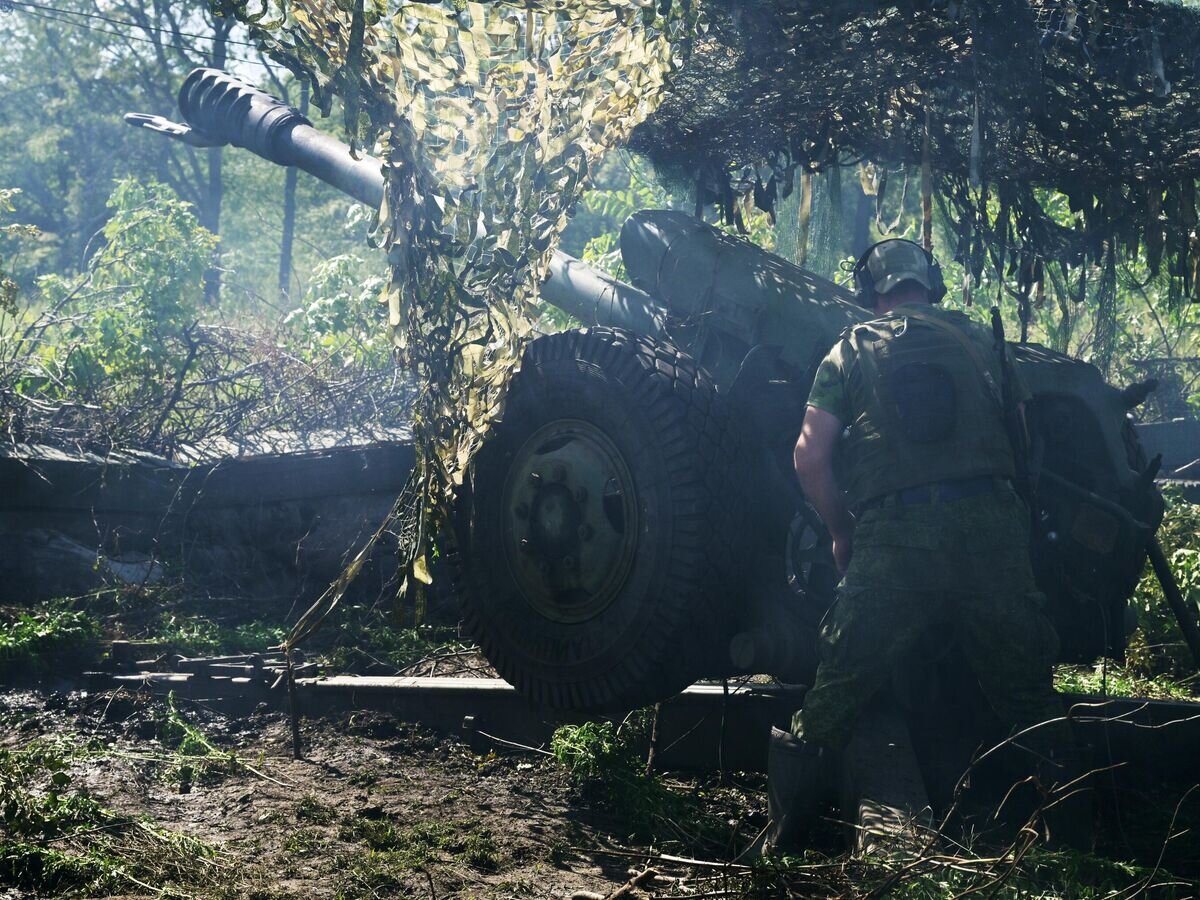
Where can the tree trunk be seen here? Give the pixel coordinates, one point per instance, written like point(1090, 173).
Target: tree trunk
point(289, 215)
point(212, 210)
point(864, 211)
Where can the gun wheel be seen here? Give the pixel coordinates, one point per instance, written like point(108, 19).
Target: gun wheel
point(595, 528)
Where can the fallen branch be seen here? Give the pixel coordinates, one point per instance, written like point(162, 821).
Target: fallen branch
point(637, 881)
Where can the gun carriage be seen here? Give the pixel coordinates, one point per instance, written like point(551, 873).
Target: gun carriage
point(633, 523)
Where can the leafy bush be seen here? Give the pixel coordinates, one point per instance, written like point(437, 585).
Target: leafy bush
point(144, 287)
point(341, 312)
point(129, 354)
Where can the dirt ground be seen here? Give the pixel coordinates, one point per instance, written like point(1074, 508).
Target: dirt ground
point(376, 809)
point(379, 809)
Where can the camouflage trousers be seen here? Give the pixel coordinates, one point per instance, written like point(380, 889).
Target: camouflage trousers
point(962, 564)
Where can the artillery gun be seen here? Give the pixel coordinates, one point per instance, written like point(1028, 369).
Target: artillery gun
point(632, 524)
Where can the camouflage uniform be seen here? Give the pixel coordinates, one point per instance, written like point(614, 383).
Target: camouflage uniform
point(961, 561)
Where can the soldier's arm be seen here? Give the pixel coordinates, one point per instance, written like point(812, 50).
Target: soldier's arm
point(813, 459)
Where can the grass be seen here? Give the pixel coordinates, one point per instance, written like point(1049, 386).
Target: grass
point(310, 809)
point(425, 843)
point(58, 840)
point(1108, 677)
point(395, 854)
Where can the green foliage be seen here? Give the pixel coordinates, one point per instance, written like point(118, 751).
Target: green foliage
point(358, 637)
point(116, 341)
point(47, 638)
point(593, 751)
point(196, 758)
point(623, 185)
point(132, 354)
point(362, 637)
point(341, 313)
point(603, 761)
point(54, 838)
point(145, 286)
point(194, 635)
point(310, 809)
point(304, 841)
point(372, 874)
point(1156, 647)
point(8, 287)
point(1114, 680)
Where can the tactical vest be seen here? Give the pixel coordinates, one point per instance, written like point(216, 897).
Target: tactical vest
point(927, 408)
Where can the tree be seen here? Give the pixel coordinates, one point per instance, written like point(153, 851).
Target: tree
point(69, 75)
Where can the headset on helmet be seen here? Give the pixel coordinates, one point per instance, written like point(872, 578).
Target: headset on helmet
point(865, 285)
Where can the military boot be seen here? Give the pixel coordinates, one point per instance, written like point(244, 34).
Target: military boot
point(796, 781)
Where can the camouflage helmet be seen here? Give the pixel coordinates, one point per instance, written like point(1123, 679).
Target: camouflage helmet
point(889, 263)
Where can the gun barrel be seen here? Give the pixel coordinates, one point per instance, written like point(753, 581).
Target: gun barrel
point(231, 112)
point(598, 299)
point(227, 111)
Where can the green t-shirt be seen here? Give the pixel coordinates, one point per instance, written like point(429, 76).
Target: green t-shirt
point(837, 387)
point(929, 416)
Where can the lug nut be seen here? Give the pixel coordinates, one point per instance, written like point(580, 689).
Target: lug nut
point(525, 546)
point(586, 532)
point(535, 480)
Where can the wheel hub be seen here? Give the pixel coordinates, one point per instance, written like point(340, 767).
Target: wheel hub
point(570, 529)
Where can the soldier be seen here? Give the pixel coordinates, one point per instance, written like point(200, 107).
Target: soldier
point(926, 525)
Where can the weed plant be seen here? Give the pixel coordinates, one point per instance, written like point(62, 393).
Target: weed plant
point(195, 757)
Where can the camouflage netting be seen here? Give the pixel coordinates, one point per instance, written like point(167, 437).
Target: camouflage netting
point(1004, 102)
point(488, 116)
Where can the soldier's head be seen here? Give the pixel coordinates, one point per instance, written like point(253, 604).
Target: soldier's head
point(897, 271)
